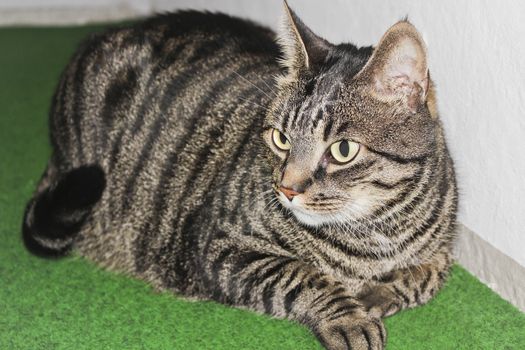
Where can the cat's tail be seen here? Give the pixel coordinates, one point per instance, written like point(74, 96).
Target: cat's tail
point(54, 216)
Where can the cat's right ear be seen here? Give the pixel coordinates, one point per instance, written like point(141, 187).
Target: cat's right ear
point(303, 50)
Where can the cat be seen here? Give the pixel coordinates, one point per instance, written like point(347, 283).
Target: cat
point(297, 178)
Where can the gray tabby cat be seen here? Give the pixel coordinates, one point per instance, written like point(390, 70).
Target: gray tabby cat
point(325, 196)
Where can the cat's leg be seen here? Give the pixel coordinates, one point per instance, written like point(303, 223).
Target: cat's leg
point(406, 288)
point(287, 288)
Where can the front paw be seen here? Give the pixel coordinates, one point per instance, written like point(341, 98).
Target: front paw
point(352, 333)
point(380, 301)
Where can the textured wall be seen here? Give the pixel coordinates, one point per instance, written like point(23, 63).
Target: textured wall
point(477, 52)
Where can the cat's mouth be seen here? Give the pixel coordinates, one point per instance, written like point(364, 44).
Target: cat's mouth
point(342, 213)
point(304, 215)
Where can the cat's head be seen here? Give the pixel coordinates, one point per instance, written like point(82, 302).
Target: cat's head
point(350, 127)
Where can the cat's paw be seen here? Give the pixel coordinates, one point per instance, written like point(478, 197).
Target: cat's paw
point(380, 301)
point(352, 333)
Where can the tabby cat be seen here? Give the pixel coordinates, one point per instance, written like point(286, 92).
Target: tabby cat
point(298, 178)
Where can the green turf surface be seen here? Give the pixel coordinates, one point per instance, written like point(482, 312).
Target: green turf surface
point(71, 304)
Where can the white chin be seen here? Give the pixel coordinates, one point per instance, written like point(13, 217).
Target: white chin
point(307, 217)
point(313, 220)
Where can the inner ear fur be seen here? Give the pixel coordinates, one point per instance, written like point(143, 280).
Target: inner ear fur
point(398, 70)
point(303, 49)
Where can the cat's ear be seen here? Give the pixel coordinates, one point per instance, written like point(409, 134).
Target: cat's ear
point(398, 67)
point(303, 50)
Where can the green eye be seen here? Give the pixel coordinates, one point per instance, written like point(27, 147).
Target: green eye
point(280, 141)
point(344, 151)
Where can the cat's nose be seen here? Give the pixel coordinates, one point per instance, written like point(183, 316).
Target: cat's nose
point(288, 192)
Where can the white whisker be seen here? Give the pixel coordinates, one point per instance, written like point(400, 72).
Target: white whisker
point(257, 87)
point(254, 103)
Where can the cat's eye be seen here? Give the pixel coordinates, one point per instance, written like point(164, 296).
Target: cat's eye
point(344, 151)
point(280, 140)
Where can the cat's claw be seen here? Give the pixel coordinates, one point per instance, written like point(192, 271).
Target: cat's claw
point(355, 334)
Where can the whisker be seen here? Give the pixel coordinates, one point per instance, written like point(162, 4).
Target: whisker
point(254, 103)
point(268, 86)
point(243, 78)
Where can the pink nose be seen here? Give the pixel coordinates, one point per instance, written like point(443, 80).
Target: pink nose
point(288, 192)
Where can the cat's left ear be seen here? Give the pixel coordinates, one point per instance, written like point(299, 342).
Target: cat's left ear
point(398, 67)
point(303, 50)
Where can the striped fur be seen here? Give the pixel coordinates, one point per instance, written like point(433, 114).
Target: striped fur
point(175, 112)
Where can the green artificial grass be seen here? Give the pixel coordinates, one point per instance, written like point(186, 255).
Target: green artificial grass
point(72, 304)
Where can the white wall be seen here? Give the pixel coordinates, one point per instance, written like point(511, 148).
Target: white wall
point(477, 59)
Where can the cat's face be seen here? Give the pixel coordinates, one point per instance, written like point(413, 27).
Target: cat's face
point(349, 133)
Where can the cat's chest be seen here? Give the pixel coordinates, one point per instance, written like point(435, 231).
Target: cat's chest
point(350, 260)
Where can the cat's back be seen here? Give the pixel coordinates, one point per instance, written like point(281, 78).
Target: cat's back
point(122, 79)
point(171, 109)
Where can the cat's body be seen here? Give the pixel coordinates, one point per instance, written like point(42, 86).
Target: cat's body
point(160, 170)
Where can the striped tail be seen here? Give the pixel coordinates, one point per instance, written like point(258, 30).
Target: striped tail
point(55, 214)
